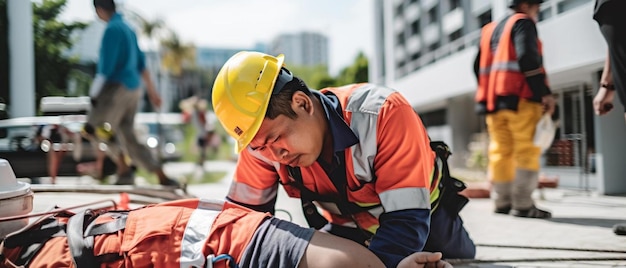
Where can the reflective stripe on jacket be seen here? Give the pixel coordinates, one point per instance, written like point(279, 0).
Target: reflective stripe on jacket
point(390, 169)
point(499, 73)
point(180, 233)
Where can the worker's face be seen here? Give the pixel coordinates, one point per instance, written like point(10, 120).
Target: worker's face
point(292, 142)
point(102, 14)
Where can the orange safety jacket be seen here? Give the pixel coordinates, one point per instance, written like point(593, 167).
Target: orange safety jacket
point(499, 73)
point(183, 233)
point(391, 168)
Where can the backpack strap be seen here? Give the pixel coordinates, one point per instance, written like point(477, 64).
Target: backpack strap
point(81, 246)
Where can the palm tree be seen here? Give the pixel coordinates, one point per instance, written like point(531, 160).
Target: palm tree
point(177, 58)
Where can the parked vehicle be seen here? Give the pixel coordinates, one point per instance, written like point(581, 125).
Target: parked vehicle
point(163, 133)
point(24, 145)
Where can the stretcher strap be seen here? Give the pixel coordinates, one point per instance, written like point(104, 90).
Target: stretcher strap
point(80, 246)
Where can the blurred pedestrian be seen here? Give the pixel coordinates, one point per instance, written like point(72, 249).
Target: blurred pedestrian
point(513, 92)
point(195, 113)
point(612, 23)
point(115, 94)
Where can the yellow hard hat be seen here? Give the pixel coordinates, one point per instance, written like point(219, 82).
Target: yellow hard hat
point(242, 91)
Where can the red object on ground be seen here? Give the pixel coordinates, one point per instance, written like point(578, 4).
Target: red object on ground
point(124, 201)
point(477, 190)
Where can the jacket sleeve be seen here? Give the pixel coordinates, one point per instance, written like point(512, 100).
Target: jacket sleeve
point(477, 64)
point(395, 238)
point(404, 164)
point(528, 56)
point(255, 183)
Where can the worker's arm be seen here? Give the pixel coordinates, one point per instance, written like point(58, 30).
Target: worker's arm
point(403, 166)
point(255, 183)
point(603, 101)
point(529, 57)
point(477, 64)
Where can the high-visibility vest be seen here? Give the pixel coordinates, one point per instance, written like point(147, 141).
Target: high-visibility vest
point(362, 104)
point(182, 233)
point(500, 73)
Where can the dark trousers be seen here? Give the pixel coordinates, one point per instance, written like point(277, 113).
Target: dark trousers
point(613, 28)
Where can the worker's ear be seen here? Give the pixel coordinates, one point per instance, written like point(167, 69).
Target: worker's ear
point(301, 102)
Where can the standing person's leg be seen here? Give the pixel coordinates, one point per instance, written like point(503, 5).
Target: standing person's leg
point(137, 152)
point(614, 32)
point(527, 156)
point(501, 167)
point(108, 110)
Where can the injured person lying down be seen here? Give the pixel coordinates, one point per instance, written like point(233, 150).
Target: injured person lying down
point(184, 233)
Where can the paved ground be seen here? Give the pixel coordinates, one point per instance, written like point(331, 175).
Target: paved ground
point(576, 236)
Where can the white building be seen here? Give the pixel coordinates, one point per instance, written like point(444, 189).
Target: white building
point(302, 49)
point(426, 49)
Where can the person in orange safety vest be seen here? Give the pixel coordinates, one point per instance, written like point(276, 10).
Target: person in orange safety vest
point(358, 152)
point(513, 93)
point(184, 233)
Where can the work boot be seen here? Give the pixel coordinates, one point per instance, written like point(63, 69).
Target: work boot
point(502, 197)
point(523, 186)
point(619, 229)
point(532, 212)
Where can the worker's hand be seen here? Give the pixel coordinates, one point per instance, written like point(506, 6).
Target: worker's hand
point(424, 260)
point(548, 103)
point(155, 99)
point(603, 102)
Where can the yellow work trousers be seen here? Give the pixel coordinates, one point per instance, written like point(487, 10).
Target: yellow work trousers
point(511, 145)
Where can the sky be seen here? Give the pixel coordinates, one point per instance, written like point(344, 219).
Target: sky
point(243, 23)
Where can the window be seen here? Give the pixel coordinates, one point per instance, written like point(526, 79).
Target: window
point(484, 18)
point(415, 27)
point(455, 35)
point(433, 15)
point(545, 14)
point(570, 4)
point(433, 46)
point(399, 10)
point(454, 4)
point(400, 38)
point(416, 55)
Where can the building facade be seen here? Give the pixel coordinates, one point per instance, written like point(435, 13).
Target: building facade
point(426, 50)
point(301, 49)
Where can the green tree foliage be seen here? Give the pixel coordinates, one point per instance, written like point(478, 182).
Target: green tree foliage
point(355, 73)
point(52, 39)
point(317, 77)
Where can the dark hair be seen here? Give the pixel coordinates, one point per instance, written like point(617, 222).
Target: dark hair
point(108, 5)
point(514, 3)
point(280, 103)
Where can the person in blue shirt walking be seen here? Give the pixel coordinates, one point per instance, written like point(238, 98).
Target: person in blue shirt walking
point(115, 94)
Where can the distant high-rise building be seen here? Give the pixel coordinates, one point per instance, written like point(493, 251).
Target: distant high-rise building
point(302, 49)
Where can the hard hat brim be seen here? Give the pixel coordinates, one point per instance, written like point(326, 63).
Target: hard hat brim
point(254, 128)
